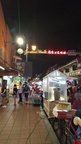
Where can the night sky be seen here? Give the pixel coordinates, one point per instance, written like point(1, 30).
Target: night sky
point(52, 24)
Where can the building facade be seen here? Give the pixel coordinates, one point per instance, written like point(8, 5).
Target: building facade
point(73, 68)
point(7, 48)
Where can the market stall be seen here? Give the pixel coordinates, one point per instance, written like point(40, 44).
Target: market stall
point(54, 91)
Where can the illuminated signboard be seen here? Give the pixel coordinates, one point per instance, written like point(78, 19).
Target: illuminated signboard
point(75, 73)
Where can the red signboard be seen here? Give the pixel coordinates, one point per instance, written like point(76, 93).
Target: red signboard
point(8, 73)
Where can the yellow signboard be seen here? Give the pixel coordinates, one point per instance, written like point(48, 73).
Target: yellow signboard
point(37, 52)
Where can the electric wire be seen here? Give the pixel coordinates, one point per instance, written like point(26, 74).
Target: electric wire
point(29, 124)
point(42, 116)
point(35, 126)
point(18, 3)
point(47, 135)
point(33, 130)
point(13, 124)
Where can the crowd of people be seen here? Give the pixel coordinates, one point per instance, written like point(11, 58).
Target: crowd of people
point(20, 92)
point(23, 89)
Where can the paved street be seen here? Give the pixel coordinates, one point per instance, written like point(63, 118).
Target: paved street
point(25, 124)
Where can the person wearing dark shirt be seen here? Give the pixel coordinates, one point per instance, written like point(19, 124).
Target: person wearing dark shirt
point(26, 91)
point(15, 93)
point(77, 101)
point(4, 94)
point(20, 92)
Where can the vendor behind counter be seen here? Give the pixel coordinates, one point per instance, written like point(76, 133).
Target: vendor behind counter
point(76, 123)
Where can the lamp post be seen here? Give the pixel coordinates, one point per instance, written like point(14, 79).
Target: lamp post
point(27, 48)
point(20, 41)
point(28, 65)
point(26, 52)
point(33, 47)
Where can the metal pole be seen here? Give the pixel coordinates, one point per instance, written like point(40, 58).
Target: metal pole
point(26, 52)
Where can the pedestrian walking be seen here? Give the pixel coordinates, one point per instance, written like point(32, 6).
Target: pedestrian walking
point(15, 93)
point(4, 95)
point(20, 92)
point(26, 91)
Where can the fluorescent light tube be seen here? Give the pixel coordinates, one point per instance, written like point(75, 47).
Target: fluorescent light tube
point(2, 68)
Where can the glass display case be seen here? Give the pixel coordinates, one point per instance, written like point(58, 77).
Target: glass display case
point(54, 90)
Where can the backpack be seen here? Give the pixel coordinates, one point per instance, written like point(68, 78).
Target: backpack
point(26, 88)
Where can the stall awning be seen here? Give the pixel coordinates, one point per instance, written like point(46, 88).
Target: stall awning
point(9, 73)
point(6, 69)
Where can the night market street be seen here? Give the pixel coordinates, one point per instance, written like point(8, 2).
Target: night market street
point(40, 72)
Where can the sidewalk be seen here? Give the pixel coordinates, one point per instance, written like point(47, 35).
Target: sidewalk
point(25, 124)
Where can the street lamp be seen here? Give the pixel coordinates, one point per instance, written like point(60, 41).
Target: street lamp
point(20, 41)
point(20, 51)
point(26, 52)
point(33, 47)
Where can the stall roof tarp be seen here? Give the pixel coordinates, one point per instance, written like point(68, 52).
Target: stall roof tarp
point(56, 73)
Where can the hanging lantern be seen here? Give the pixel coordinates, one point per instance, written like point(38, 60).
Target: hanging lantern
point(20, 51)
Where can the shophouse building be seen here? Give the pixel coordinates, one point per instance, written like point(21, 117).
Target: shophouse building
point(8, 57)
point(73, 68)
point(9, 61)
point(7, 49)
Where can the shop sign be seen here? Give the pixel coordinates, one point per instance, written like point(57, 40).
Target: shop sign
point(75, 73)
point(8, 73)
